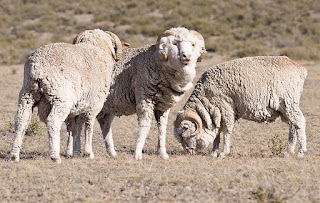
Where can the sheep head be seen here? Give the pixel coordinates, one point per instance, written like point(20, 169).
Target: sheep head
point(188, 130)
point(182, 45)
point(107, 41)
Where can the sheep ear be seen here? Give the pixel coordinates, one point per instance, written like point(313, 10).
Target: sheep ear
point(80, 37)
point(125, 45)
point(163, 55)
point(203, 53)
point(162, 52)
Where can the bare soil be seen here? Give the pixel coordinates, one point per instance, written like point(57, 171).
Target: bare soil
point(249, 174)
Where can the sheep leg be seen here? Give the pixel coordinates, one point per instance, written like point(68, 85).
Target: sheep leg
point(74, 142)
point(69, 149)
point(56, 117)
point(145, 114)
point(297, 132)
point(77, 138)
point(227, 129)
point(216, 142)
point(162, 121)
point(105, 122)
point(292, 140)
point(23, 118)
point(70, 130)
point(297, 129)
point(88, 137)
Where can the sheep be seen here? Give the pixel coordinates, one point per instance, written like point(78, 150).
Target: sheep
point(148, 81)
point(66, 81)
point(258, 88)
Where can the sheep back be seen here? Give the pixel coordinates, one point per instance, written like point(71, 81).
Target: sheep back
point(254, 88)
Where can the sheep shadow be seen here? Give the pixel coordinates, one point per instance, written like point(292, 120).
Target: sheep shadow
point(5, 155)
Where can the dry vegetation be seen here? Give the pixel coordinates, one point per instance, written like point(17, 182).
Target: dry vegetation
point(255, 171)
point(235, 28)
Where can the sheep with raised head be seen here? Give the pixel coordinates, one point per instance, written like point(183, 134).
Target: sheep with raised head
point(254, 88)
point(65, 81)
point(149, 81)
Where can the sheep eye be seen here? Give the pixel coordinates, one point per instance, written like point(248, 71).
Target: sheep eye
point(193, 44)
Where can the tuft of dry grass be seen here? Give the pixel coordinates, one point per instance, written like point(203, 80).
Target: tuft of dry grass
point(276, 145)
point(263, 196)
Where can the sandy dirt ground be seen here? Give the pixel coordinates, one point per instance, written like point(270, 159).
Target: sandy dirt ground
point(250, 173)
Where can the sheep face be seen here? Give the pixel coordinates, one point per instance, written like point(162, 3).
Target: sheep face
point(191, 142)
point(179, 51)
point(181, 47)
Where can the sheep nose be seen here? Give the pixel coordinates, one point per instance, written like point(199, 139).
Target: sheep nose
point(186, 57)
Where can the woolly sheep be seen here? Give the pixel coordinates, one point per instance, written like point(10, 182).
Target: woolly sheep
point(149, 81)
point(254, 88)
point(65, 81)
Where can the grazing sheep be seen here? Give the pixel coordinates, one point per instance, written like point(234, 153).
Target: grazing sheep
point(254, 88)
point(66, 81)
point(149, 81)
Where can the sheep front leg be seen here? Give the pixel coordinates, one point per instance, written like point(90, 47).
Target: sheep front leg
point(105, 122)
point(215, 147)
point(162, 121)
point(227, 131)
point(145, 113)
point(23, 118)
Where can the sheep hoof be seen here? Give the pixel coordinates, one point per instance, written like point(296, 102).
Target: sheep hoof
point(138, 156)
point(14, 158)
point(300, 154)
point(287, 154)
point(214, 154)
point(112, 154)
point(89, 154)
point(76, 154)
point(68, 155)
point(222, 155)
point(164, 155)
point(56, 160)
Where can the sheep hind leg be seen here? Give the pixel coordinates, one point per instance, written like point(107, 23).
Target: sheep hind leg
point(74, 142)
point(162, 121)
point(56, 117)
point(297, 132)
point(77, 138)
point(70, 132)
point(105, 125)
point(22, 121)
point(297, 129)
point(88, 137)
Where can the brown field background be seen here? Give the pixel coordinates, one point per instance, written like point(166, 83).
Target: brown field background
point(252, 173)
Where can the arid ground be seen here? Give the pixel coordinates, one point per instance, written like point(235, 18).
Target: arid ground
point(253, 172)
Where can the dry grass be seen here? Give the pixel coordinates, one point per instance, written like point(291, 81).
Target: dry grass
point(250, 174)
point(233, 28)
